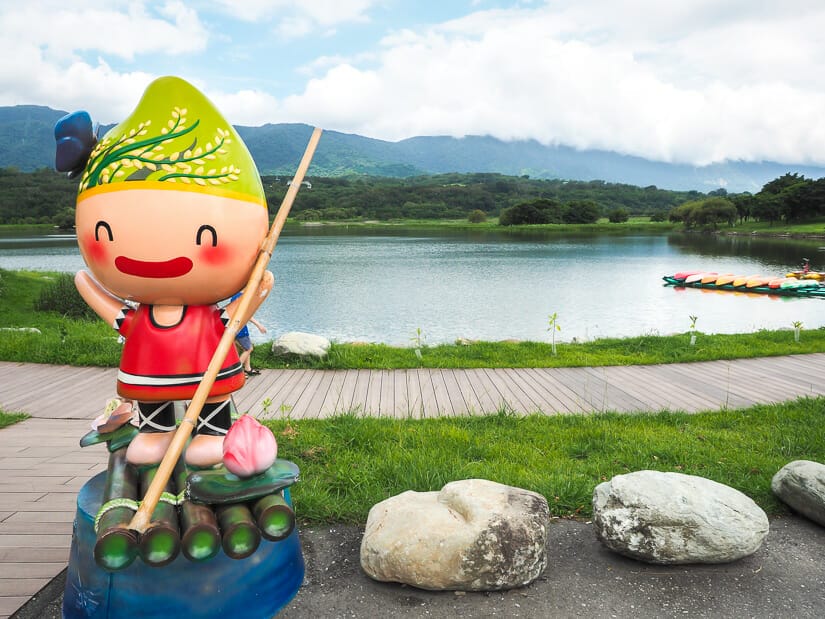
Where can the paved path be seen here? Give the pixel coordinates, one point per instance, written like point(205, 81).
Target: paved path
point(42, 467)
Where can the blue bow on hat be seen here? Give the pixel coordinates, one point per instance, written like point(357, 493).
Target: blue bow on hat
point(76, 137)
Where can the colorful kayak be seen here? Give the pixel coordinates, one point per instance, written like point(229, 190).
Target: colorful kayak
point(697, 277)
point(710, 281)
point(755, 282)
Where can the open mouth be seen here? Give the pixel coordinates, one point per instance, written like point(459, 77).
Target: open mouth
point(167, 268)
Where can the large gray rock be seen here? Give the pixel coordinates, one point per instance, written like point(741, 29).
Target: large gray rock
point(301, 344)
point(473, 535)
point(673, 518)
point(801, 484)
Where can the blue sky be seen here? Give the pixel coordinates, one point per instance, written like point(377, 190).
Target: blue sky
point(694, 81)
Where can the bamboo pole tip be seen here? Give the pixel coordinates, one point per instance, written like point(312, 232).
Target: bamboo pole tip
point(140, 522)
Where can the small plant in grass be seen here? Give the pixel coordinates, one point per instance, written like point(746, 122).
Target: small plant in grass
point(797, 327)
point(693, 320)
point(553, 322)
point(266, 404)
point(61, 296)
point(418, 342)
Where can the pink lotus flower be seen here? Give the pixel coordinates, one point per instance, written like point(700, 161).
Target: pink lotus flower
point(249, 448)
point(115, 414)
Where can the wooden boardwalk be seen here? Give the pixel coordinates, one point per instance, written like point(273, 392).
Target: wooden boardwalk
point(42, 466)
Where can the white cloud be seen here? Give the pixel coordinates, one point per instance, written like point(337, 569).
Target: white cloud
point(296, 18)
point(43, 44)
point(695, 84)
point(694, 81)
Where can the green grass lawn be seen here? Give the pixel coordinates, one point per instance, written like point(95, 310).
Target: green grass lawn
point(349, 463)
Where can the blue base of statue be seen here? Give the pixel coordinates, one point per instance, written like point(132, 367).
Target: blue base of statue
point(258, 586)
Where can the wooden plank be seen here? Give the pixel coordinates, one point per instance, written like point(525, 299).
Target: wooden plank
point(413, 406)
point(615, 398)
point(588, 389)
point(360, 390)
point(12, 603)
point(266, 385)
point(442, 396)
point(532, 392)
point(335, 394)
point(567, 401)
point(13, 587)
point(43, 555)
point(472, 405)
point(14, 570)
point(345, 402)
point(274, 395)
point(372, 403)
point(17, 540)
point(317, 389)
point(490, 400)
point(312, 380)
point(387, 395)
point(35, 516)
point(454, 392)
point(511, 396)
point(293, 391)
point(35, 528)
point(429, 403)
point(400, 395)
point(712, 383)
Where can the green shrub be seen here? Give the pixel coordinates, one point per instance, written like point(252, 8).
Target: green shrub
point(618, 216)
point(477, 216)
point(62, 297)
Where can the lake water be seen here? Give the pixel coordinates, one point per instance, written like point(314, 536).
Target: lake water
point(352, 285)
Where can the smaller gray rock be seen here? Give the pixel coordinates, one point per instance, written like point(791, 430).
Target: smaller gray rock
point(473, 535)
point(672, 518)
point(801, 485)
point(300, 344)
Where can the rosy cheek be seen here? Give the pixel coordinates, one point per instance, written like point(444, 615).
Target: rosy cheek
point(95, 251)
point(215, 256)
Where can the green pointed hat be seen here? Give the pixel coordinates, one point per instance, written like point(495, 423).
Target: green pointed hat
point(175, 139)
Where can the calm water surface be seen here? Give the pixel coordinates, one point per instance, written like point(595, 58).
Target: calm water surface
point(351, 285)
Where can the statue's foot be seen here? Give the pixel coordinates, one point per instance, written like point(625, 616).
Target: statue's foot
point(148, 447)
point(205, 450)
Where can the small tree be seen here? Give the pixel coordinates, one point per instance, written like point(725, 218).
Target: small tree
point(477, 216)
point(618, 215)
point(553, 321)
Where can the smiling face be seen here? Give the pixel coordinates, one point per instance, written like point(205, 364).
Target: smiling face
point(170, 247)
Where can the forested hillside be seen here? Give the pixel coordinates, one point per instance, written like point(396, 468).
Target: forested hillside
point(45, 196)
point(27, 143)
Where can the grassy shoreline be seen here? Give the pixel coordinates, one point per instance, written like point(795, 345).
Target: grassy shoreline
point(62, 340)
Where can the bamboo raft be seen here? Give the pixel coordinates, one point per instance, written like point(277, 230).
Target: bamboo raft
point(199, 513)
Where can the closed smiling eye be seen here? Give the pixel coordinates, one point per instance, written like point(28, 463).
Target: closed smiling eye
point(210, 230)
point(106, 227)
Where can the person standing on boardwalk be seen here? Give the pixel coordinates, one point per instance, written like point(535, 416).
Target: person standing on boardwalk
point(244, 342)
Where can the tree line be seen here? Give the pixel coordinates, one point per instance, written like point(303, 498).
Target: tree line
point(46, 197)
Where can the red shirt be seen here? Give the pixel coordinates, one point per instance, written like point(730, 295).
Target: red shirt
point(162, 363)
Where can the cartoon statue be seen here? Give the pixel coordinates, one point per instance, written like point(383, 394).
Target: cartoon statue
point(170, 219)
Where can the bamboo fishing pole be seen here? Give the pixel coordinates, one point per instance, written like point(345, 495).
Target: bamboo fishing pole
point(140, 521)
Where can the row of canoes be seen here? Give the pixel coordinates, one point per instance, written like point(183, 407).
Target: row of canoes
point(786, 285)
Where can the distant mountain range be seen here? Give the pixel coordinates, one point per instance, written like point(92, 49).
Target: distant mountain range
point(27, 142)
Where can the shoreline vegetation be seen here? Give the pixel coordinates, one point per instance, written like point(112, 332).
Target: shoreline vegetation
point(29, 334)
point(814, 229)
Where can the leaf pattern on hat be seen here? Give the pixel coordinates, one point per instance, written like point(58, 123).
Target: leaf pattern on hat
point(165, 156)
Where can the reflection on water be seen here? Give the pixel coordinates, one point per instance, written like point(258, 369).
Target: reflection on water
point(383, 284)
